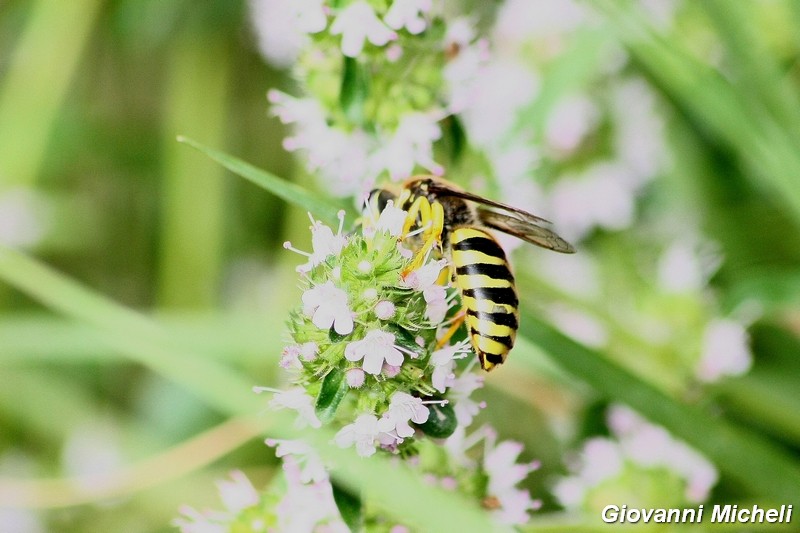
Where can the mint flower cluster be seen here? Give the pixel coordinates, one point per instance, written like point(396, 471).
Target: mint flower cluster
point(367, 357)
point(366, 352)
point(379, 78)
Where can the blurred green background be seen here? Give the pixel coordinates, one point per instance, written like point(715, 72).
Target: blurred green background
point(94, 184)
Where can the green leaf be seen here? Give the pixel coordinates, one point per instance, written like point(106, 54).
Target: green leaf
point(455, 137)
point(288, 191)
point(334, 388)
point(354, 90)
point(349, 506)
point(441, 422)
point(759, 465)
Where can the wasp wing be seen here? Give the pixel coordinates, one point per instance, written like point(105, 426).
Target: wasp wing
point(442, 189)
point(525, 229)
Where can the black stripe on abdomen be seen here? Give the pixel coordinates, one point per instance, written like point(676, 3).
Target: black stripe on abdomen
point(505, 340)
point(486, 269)
point(483, 245)
point(498, 295)
point(501, 319)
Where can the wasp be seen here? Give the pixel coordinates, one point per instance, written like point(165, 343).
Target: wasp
point(458, 224)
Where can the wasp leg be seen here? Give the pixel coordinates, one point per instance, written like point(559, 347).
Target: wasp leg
point(457, 321)
point(432, 218)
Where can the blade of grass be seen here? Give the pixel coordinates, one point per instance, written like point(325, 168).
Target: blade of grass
point(767, 151)
point(757, 68)
point(37, 81)
point(290, 192)
point(759, 465)
point(38, 338)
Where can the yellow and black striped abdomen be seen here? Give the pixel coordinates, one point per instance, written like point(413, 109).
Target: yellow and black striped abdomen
point(487, 292)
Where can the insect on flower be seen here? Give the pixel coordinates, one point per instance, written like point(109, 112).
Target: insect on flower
point(455, 223)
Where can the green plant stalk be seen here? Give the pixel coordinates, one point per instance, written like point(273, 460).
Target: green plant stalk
point(36, 83)
point(193, 194)
point(761, 467)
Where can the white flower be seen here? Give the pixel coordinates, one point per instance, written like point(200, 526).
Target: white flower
point(569, 122)
point(514, 507)
point(601, 197)
point(425, 276)
point(297, 400)
point(462, 72)
point(504, 473)
point(384, 310)
point(306, 507)
point(638, 444)
point(358, 22)
point(443, 361)
point(281, 27)
point(411, 145)
point(436, 298)
point(290, 357)
point(237, 495)
point(313, 469)
point(355, 378)
point(363, 433)
point(327, 306)
point(460, 390)
point(340, 158)
point(406, 13)
point(391, 219)
point(492, 106)
point(460, 32)
point(726, 351)
point(404, 408)
point(323, 243)
point(376, 347)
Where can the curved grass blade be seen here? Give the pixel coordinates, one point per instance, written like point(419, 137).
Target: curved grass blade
point(286, 190)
